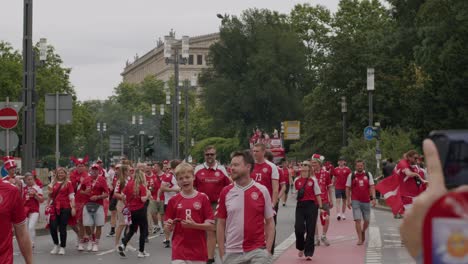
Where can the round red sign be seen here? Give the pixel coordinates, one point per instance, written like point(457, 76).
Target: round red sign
point(8, 118)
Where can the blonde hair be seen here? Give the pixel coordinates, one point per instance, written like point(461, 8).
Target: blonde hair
point(139, 179)
point(64, 170)
point(183, 168)
point(123, 170)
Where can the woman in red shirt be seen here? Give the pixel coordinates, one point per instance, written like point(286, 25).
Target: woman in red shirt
point(135, 195)
point(308, 203)
point(62, 200)
point(32, 197)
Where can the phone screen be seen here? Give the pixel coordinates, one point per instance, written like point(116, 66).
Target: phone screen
point(452, 146)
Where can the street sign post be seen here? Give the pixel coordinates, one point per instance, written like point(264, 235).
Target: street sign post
point(8, 120)
point(116, 143)
point(368, 133)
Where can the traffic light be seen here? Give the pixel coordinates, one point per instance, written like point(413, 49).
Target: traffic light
point(133, 141)
point(149, 146)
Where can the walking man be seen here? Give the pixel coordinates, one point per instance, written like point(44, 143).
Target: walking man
point(360, 191)
point(340, 175)
point(245, 228)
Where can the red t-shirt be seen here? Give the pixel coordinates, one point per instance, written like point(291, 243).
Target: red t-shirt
point(161, 195)
point(265, 173)
point(245, 210)
point(360, 186)
point(77, 181)
point(134, 201)
point(170, 180)
point(31, 203)
point(11, 213)
point(188, 243)
point(286, 174)
point(324, 182)
point(211, 181)
point(311, 189)
point(341, 175)
point(97, 187)
point(284, 177)
point(62, 199)
point(38, 182)
point(153, 185)
point(408, 186)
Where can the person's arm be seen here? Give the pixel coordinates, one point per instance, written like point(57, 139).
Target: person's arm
point(409, 173)
point(207, 225)
point(348, 196)
point(269, 232)
point(39, 197)
point(24, 242)
point(275, 184)
point(282, 191)
point(220, 235)
point(143, 193)
point(330, 196)
point(372, 191)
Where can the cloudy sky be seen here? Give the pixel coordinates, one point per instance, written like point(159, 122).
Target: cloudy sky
point(96, 37)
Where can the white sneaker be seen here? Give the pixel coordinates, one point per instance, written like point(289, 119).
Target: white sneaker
point(90, 246)
point(80, 247)
point(95, 248)
point(54, 250)
point(143, 254)
point(343, 216)
point(61, 251)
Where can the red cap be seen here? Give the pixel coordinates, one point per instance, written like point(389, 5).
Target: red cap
point(165, 162)
point(95, 167)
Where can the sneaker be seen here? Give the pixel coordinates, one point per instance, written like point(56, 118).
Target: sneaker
point(146, 240)
point(210, 261)
point(143, 254)
point(284, 205)
point(121, 250)
point(90, 246)
point(325, 241)
point(95, 247)
point(162, 232)
point(343, 217)
point(54, 250)
point(80, 246)
point(111, 233)
point(300, 253)
point(156, 229)
point(317, 242)
point(308, 258)
point(61, 251)
point(338, 217)
point(167, 244)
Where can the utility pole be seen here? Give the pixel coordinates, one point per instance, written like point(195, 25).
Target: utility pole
point(370, 90)
point(29, 118)
point(344, 110)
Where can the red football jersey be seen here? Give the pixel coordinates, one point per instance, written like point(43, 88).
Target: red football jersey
point(341, 175)
point(408, 185)
point(133, 201)
point(188, 243)
point(245, 210)
point(211, 181)
point(77, 182)
point(62, 196)
point(311, 189)
point(11, 213)
point(170, 180)
point(97, 187)
point(38, 182)
point(324, 182)
point(284, 178)
point(360, 186)
point(153, 185)
point(31, 203)
point(265, 173)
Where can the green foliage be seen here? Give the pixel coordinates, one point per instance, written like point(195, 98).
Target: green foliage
point(393, 143)
point(224, 148)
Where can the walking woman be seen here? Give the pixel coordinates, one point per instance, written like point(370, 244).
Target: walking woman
point(308, 203)
point(123, 174)
point(62, 202)
point(135, 195)
point(32, 197)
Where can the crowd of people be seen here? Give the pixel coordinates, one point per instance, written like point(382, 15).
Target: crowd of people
point(199, 207)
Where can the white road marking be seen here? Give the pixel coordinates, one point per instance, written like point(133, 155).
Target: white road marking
point(284, 245)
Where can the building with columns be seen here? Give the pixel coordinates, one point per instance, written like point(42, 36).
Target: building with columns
point(153, 62)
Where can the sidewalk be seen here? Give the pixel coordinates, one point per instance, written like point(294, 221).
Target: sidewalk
point(343, 248)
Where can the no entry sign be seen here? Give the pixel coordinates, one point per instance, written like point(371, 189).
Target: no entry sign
point(8, 118)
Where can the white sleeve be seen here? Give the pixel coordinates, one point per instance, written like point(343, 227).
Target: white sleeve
point(317, 190)
point(348, 181)
point(274, 171)
point(371, 179)
point(174, 180)
point(198, 168)
point(223, 170)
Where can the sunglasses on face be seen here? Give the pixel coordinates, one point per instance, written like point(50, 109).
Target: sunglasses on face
point(305, 165)
point(210, 154)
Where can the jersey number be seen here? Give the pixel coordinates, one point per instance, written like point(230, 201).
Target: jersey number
point(258, 177)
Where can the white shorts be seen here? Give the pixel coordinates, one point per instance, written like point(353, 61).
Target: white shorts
point(178, 261)
point(93, 219)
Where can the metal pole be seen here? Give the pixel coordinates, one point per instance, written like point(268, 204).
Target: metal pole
point(371, 109)
point(175, 106)
point(28, 88)
point(158, 124)
point(7, 132)
point(121, 145)
point(142, 145)
point(57, 130)
point(186, 123)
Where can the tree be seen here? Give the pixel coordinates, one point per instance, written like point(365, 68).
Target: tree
point(224, 148)
point(257, 76)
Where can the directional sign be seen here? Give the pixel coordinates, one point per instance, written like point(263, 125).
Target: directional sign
point(13, 140)
point(292, 130)
point(8, 118)
point(368, 133)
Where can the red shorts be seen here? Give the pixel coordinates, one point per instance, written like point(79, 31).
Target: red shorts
point(79, 212)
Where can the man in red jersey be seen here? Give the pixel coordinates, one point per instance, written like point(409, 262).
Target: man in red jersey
point(265, 172)
point(170, 188)
point(245, 228)
point(410, 180)
point(189, 216)
point(288, 178)
point(77, 178)
point(340, 175)
point(12, 214)
point(159, 202)
point(211, 178)
point(153, 184)
point(325, 183)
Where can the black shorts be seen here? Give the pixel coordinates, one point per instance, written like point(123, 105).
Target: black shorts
point(113, 204)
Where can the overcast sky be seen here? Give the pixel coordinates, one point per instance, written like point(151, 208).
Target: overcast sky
point(96, 37)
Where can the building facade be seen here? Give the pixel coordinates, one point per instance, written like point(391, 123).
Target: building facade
point(154, 63)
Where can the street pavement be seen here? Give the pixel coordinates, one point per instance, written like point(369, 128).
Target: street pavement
point(383, 244)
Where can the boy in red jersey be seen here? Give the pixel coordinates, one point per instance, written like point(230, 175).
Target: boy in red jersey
point(188, 216)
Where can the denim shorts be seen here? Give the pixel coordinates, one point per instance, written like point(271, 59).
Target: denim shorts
point(360, 210)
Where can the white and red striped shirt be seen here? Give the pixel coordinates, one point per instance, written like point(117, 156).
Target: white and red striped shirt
point(245, 210)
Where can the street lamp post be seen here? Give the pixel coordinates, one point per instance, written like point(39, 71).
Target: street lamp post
point(171, 44)
point(344, 110)
point(187, 86)
point(370, 90)
point(158, 123)
point(101, 129)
